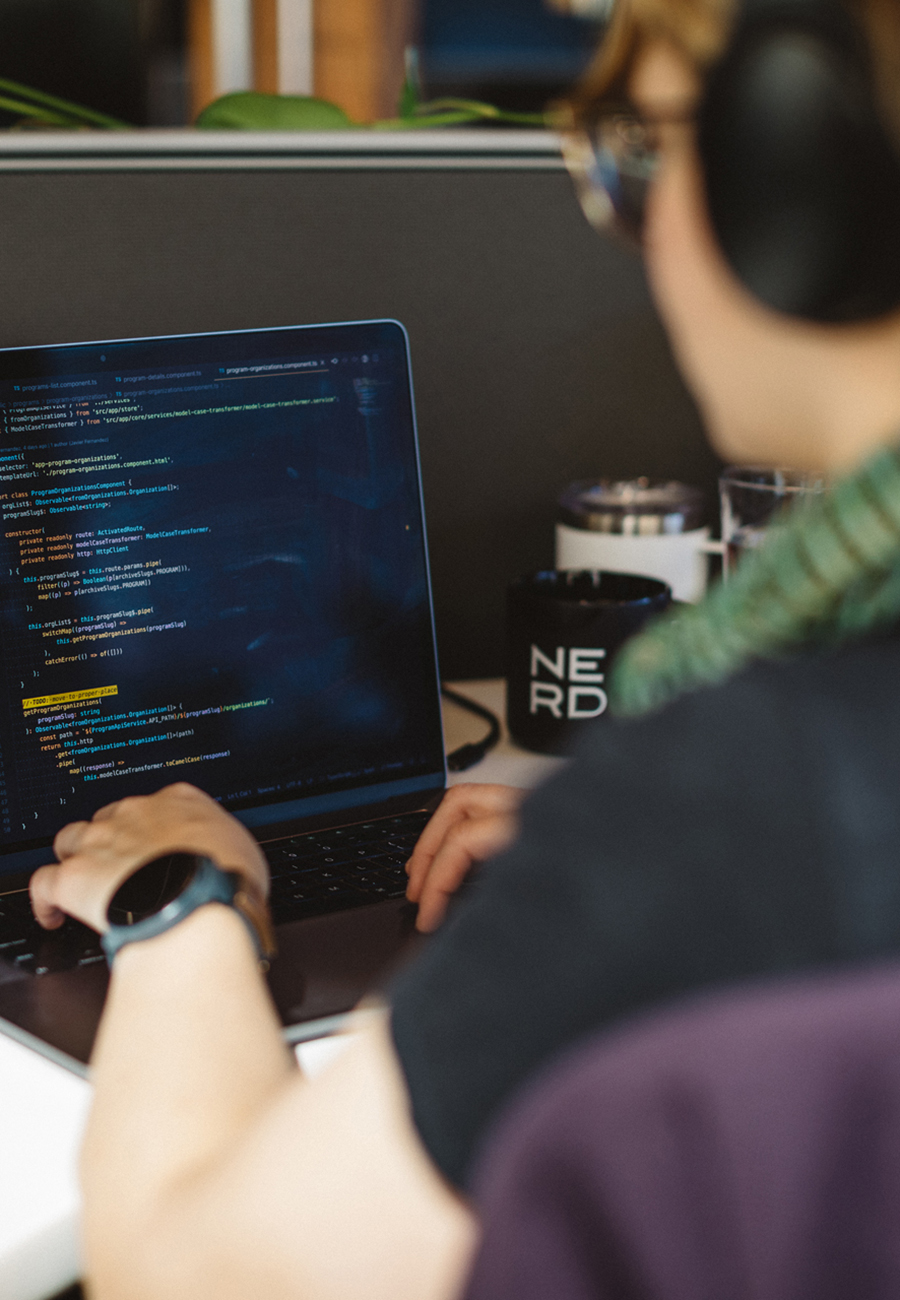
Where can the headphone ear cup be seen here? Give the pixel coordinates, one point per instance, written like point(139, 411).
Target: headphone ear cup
point(802, 183)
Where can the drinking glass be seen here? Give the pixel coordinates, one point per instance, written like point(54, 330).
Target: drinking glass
point(750, 496)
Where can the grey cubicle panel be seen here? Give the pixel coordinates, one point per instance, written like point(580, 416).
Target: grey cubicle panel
point(537, 356)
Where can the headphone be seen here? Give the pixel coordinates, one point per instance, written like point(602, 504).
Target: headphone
point(802, 179)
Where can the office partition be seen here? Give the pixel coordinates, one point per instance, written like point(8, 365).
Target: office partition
point(537, 356)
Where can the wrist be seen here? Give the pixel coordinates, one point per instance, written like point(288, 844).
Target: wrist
point(208, 956)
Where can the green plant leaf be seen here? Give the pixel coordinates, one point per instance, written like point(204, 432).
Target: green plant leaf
point(424, 123)
point(482, 111)
point(411, 94)
point(251, 110)
point(65, 112)
point(458, 112)
point(31, 111)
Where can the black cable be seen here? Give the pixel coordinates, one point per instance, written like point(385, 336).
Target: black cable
point(468, 755)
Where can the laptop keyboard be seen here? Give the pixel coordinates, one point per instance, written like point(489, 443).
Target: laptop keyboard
point(24, 943)
point(348, 867)
point(326, 871)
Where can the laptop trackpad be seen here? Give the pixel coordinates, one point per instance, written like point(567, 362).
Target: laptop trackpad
point(327, 963)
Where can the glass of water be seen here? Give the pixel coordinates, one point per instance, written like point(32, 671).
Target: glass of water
point(750, 495)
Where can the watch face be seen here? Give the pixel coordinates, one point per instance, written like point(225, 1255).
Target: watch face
point(151, 887)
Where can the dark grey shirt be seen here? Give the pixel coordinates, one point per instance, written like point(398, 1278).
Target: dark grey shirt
point(745, 830)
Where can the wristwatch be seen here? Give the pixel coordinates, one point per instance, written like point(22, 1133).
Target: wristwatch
point(207, 882)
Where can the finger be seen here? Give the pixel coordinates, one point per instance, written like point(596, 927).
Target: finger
point(42, 889)
point(71, 888)
point(470, 842)
point(184, 790)
point(107, 811)
point(467, 799)
point(178, 790)
point(461, 803)
point(68, 840)
point(438, 888)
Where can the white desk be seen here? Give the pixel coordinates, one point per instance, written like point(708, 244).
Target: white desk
point(42, 1117)
point(506, 764)
point(43, 1106)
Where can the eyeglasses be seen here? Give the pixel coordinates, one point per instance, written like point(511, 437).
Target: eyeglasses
point(613, 162)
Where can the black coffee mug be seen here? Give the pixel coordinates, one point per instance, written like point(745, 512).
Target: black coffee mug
point(564, 629)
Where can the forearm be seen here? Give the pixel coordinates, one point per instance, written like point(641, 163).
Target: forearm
point(229, 1178)
point(188, 1057)
point(211, 1169)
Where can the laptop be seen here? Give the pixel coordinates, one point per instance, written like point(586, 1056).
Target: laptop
point(213, 568)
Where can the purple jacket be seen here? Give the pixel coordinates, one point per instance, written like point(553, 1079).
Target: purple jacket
point(743, 1146)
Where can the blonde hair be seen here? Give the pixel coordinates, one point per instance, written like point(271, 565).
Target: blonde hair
point(699, 30)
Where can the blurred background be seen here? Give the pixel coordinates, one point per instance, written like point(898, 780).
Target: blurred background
point(538, 356)
point(158, 62)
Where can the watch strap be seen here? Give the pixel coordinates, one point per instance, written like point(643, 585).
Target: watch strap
point(208, 884)
point(253, 910)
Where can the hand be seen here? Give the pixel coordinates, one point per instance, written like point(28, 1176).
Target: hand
point(472, 822)
point(95, 857)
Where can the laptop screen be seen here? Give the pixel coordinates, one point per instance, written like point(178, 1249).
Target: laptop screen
point(212, 569)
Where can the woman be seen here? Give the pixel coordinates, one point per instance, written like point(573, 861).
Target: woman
point(744, 822)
